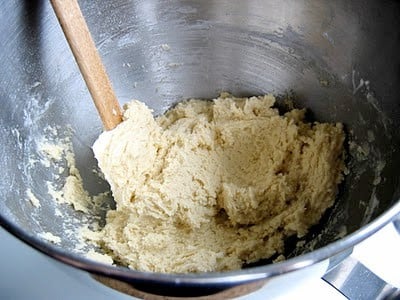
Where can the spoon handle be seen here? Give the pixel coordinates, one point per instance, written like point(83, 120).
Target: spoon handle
point(88, 59)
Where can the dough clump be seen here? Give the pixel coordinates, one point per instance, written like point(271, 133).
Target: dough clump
point(211, 185)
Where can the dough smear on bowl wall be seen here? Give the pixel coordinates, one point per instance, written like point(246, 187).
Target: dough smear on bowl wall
point(212, 185)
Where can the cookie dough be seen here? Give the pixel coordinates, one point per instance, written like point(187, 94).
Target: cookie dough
point(211, 185)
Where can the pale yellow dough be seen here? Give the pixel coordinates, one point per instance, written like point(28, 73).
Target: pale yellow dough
point(211, 185)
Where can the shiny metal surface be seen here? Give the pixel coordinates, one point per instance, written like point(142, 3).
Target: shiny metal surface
point(337, 58)
point(357, 282)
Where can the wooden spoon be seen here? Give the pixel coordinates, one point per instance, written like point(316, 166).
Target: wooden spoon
point(88, 59)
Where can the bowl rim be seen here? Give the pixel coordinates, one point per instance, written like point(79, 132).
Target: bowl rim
point(227, 278)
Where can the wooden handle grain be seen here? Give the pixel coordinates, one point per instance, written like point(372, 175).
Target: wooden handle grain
point(88, 59)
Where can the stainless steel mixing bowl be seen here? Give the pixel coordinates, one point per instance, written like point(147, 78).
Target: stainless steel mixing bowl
point(340, 59)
